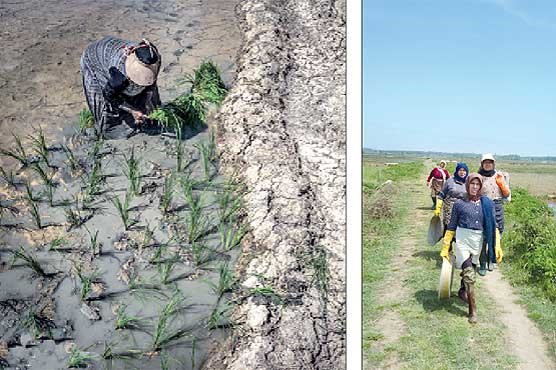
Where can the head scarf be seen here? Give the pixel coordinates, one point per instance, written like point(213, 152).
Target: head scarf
point(459, 166)
point(470, 178)
point(485, 173)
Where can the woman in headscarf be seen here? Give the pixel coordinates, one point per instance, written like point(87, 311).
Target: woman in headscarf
point(119, 81)
point(436, 180)
point(453, 189)
point(472, 221)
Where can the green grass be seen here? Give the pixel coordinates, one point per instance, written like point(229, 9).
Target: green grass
point(374, 176)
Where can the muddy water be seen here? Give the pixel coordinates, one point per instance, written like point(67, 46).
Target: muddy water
point(42, 41)
point(41, 86)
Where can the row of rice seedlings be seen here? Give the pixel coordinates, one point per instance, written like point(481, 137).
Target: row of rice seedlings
point(165, 333)
point(79, 358)
point(132, 172)
point(48, 183)
point(29, 260)
point(33, 206)
point(125, 321)
point(123, 210)
point(231, 236)
point(38, 143)
point(18, 153)
point(167, 193)
point(86, 280)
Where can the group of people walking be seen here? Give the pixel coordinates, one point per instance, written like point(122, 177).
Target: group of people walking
point(471, 205)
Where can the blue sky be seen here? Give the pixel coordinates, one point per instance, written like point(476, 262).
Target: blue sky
point(460, 76)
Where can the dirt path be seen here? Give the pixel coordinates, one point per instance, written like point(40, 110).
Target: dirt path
point(523, 336)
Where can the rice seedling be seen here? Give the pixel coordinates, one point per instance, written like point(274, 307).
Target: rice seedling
point(321, 273)
point(9, 177)
point(71, 160)
point(29, 260)
point(145, 290)
point(33, 206)
point(267, 291)
point(125, 321)
point(108, 352)
point(18, 153)
point(86, 280)
point(166, 267)
point(226, 280)
point(57, 243)
point(167, 193)
point(38, 143)
point(229, 205)
point(123, 209)
point(37, 324)
point(85, 120)
point(94, 245)
point(219, 318)
point(165, 334)
point(132, 172)
point(206, 156)
point(148, 236)
point(48, 183)
point(94, 182)
point(201, 254)
point(230, 237)
point(79, 359)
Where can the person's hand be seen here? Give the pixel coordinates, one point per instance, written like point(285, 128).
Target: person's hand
point(138, 116)
point(502, 185)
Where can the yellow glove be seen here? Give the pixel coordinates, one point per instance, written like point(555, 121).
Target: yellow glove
point(502, 185)
point(498, 247)
point(444, 253)
point(438, 206)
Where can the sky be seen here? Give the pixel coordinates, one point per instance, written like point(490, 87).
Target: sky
point(460, 76)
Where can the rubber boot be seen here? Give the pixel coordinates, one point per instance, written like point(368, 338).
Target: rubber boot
point(433, 203)
point(472, 305)
point(482, 269)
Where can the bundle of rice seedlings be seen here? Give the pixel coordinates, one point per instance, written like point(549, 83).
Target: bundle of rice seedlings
point(206, 82)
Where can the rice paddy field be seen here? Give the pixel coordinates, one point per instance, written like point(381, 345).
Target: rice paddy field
point(119, 254)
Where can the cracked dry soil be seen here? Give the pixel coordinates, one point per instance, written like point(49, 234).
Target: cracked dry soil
point(283, 130)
